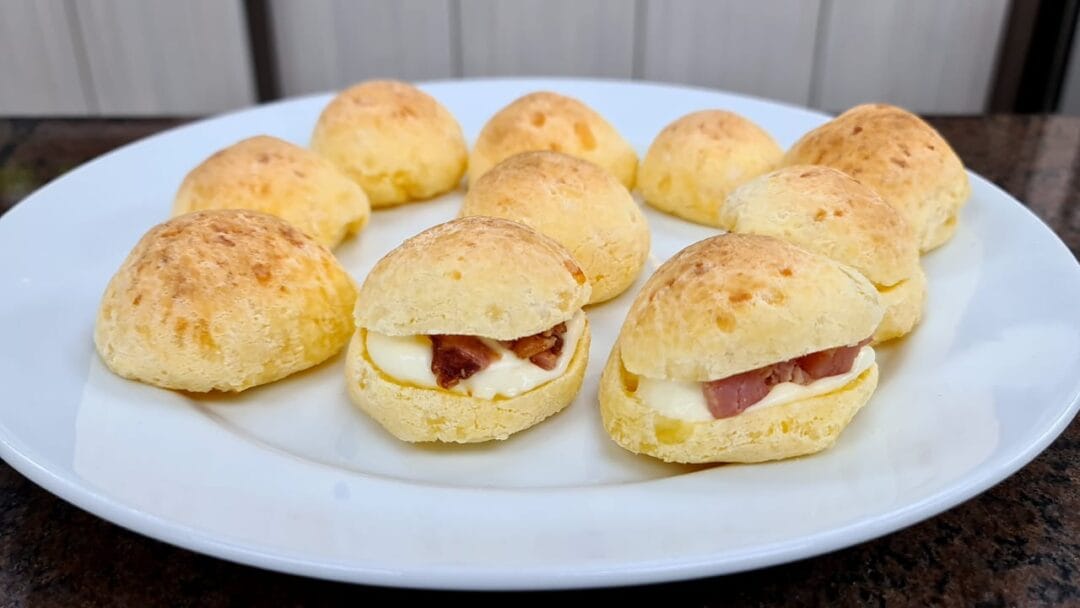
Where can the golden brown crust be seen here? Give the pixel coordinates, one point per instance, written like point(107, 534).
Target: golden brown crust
point(576, 203)
point(697, 160)
point(733, 303)
point(267, 174)
point(396, 141)
point(549, 121)
point(223, 300)
point(414, 414)
point(478, 276)
point(756, 435)
point(899, 156)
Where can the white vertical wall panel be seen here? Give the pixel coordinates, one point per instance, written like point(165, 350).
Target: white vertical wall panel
point(547, 37)
point(927, 55)
point(193, 56)
point(329, 44)
point(762, 48)
point(39, 60)
point(165, 56)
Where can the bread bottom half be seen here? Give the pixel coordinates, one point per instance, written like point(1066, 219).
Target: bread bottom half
point(904, 304)
point(941, 225)
point(416, 414)
point(773, 433)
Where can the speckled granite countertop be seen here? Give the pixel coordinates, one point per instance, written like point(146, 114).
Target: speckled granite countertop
point(1016, 545)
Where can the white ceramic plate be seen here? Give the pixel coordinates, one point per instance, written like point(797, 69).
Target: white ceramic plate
point(291, 477)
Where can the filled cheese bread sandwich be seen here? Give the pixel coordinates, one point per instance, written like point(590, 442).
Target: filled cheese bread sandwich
point(469, 331)
point(741, 348)
point(825, 211)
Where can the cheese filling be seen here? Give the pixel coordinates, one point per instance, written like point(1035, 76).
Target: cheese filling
point(685, 400)
point(407, 359)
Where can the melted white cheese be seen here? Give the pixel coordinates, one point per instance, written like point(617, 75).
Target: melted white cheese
point(407, 359)
point(684, 400)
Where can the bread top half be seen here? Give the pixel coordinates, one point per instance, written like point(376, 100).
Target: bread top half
point(733, 303)
point(826, 211)
point(478, 275)
point(898, 155)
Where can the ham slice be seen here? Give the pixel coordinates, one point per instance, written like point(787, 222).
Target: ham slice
point(542, 349)
point(831, 362)
point(455, 358)
point(729, 396)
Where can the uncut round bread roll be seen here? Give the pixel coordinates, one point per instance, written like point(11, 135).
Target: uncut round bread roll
point(267, 174)
point(223, 300)
point(826, 211)
point(697, 160)
point(549, 121)
point(576, 203)
point(900, 157)
point(741, 348)
point(397, 142)
point(470, 331)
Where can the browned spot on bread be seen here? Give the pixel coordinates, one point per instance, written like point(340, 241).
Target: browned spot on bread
point(538, 119)
point(856, 130)
point(202, 334)
point(179, 328)
point(899, 162)
point(786, 272)
point(739, 296)
point(630, 381)
point(575, 270)
point(292, 235)
point(585, 135)
point(725, 322)
point(838, 212)
point(495, 312)
point(775, 297)
point(262, 273)
point(820, 215)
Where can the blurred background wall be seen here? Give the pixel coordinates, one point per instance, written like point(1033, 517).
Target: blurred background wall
point(181, 57)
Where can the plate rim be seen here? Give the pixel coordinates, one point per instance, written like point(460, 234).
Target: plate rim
point(85, 497)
